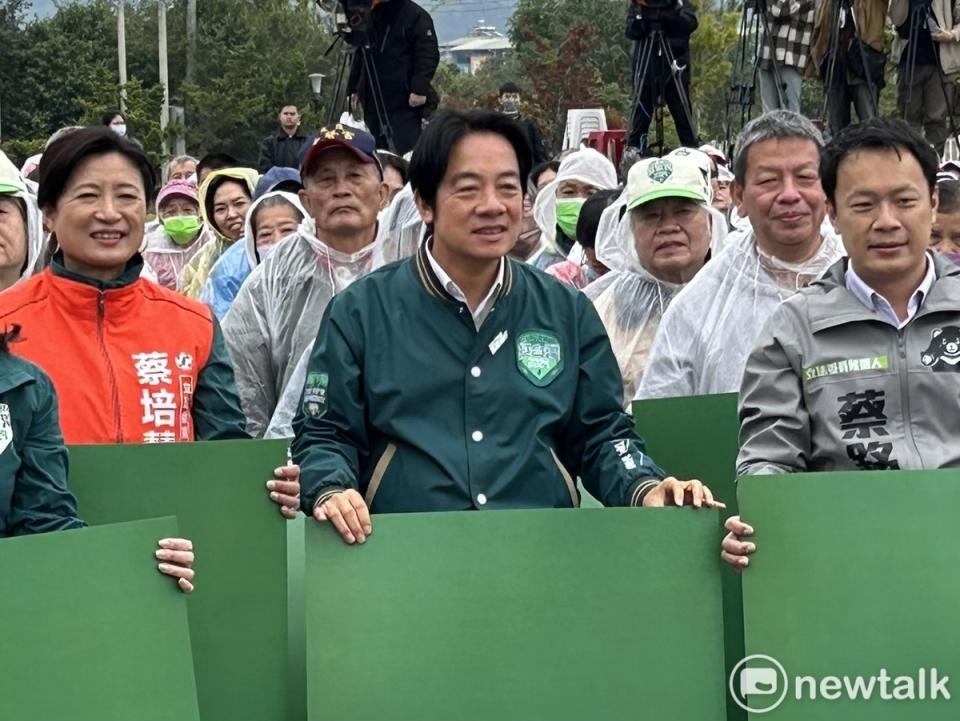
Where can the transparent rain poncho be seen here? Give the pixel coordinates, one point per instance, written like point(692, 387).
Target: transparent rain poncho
point(167, 260)
point(12, 178)
point(710, 328)
point(277, 312)
point(629, 300)
point(586, 166)
point(238, 261)
point(195, 274)
point(403, 226)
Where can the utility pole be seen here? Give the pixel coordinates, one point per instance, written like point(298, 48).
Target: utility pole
point(191, 38)
point(164, 74)
point(122, 54)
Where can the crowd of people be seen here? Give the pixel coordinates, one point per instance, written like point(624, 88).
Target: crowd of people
point(468, 330)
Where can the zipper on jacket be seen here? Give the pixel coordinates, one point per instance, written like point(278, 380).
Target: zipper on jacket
point(905, 396)
point(111, 376)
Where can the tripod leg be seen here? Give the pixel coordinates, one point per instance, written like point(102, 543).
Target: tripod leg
point(642, 109)
point(677, 93)
point(373, 83)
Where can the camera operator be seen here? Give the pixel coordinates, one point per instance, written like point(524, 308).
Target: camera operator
point(860, 58)
point(786, 46)
point(405, 55)
point(677, 19)
point(920, 93)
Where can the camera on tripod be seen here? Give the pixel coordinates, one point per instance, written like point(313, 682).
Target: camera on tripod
point(352, 19)
point(643, 14)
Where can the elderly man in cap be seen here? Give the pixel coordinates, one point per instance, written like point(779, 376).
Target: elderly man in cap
point(276, 315)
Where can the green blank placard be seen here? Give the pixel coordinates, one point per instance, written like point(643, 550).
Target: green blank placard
point(91, 631)
point(590, 615)
point(855, 572)
point(238, 614)
point(697, 437)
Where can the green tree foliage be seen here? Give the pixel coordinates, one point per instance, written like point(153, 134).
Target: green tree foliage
point(252, 57)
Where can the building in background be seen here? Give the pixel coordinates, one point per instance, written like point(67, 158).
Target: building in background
point(471, 52)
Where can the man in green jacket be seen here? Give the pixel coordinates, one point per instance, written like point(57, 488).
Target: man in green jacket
point(460, 379)
point(859, 371)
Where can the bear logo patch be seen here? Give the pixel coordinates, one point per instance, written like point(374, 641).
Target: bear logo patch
point(943, 355)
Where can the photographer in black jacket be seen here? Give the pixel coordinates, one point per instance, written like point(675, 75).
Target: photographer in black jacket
point(405, 56)
point(677, 21)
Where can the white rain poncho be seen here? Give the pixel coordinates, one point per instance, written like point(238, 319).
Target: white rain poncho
point(585, 166)
point(166, 259)
point(629, 300)
point(281, 425)
point(11, 178)
point(712, 325)
point(238, 261)
point(277, 312)
point(403, 225)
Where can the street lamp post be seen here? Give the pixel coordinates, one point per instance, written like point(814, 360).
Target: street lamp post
point(316, 84)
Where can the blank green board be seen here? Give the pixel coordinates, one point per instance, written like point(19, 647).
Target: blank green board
point(697, 437)
point(91, 631)
point(555, 615)
point(238, 614)
point(853, 573)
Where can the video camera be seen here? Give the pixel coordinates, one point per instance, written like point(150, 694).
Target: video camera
point(352, 19)
point(643, 13)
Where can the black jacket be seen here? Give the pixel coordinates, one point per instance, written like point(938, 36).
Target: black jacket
point(678, 25)
point(405, 53)
point(280, 150)
point(537, 143)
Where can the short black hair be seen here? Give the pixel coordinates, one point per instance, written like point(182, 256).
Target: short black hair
point(216, 161)
point(392, 160)
point(590, 213)
point(66, 152)
point(432, 153)
point(510, 88)
point(108, 116)
point(948, 191)
point(542, 168)
point(876, 133)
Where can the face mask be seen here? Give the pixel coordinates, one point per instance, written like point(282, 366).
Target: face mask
point(120, 129)
point(265, 251)
point(568, 213)
point(510, 107)
point(182, 229)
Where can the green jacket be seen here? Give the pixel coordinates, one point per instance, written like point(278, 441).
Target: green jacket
point(408, 403)
point(33, 460)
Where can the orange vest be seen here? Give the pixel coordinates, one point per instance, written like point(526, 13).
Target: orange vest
point(124, 361)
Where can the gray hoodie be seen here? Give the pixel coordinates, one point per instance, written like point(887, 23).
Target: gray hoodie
point(832, 387)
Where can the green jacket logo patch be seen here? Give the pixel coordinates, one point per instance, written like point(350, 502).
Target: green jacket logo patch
point(315, 394)
point(539, 356)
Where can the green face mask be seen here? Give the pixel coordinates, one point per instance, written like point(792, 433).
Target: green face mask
point(568, 213)
point(182, 229)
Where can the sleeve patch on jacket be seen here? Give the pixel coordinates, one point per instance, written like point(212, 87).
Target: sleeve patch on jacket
point(6, 427)
point(539, 356)
point(315, 394)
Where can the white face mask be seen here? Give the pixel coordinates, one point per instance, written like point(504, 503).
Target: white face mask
point(119, 128)
point(265, 251)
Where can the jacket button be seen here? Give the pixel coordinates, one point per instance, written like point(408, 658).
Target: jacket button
point(475, 372)
point(477, 436)
point(481, 499)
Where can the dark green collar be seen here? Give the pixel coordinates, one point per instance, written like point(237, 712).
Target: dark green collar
point(129, 275)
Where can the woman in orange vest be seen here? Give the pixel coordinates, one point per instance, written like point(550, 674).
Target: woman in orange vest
point(131, 362)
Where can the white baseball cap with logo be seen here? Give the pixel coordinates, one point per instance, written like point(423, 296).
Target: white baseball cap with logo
point(674, 176)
